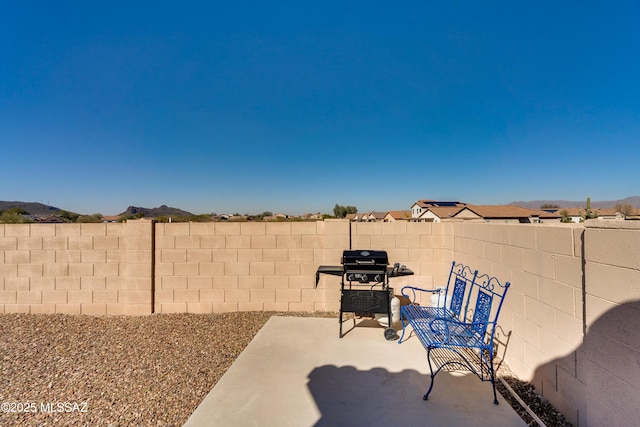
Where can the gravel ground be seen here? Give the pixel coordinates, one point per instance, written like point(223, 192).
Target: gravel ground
point(528, 394)
point(144, 371)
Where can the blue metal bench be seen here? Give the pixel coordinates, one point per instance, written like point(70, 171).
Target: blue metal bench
point(459, 332)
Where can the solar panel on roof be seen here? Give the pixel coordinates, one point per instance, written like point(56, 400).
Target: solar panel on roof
point(446, 204)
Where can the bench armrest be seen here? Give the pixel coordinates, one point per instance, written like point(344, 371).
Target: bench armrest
point(411, 292)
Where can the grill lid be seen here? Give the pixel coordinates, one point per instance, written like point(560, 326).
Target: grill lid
point(365, 260)
point(364, 265)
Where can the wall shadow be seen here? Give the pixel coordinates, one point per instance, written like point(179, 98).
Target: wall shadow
point(599, 382)
point(346, 396)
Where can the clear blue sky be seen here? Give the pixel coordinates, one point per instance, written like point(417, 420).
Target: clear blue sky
point(248, 106)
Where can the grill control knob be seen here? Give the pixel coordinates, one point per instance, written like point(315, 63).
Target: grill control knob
point(364, 278)
point(351, 277)
point(378, 278)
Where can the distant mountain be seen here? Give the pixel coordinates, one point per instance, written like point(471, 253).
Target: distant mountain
point(163, 210)
point(535, 204)
point(32, 208)
point(42, 210)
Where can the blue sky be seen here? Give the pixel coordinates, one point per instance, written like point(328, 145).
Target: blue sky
point(295, 106)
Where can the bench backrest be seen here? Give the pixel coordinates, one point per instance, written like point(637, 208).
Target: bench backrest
point(488, 294)
point(459, 285)
point(474, 298)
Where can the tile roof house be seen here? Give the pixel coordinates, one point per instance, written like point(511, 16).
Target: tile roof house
point(439, 213)
point(375, 216)
point(393, 216)
point(505, 214)
point(390, 216)
point(421, 206)
point(52, 219)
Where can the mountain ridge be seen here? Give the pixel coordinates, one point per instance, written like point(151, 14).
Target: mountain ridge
point(162, 210)
point(42, 210)
point(33, 208)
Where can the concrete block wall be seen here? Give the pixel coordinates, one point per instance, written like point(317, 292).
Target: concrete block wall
point(93, 269)
point(605, 386)
point(217, 267)
point(569, 321)
point(141, 267)
point(544, 267)
point(568, 280)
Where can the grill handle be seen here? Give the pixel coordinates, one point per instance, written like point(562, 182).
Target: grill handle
point(366, 261)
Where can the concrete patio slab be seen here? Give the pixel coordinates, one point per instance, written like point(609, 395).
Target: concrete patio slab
point(297, 372)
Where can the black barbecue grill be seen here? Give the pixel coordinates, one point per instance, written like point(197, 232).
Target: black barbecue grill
point(364, 288)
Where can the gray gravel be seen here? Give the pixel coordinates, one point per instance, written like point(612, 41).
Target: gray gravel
point(67, 370)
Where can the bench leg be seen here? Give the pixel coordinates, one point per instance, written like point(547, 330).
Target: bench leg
point(426, 396)
point(487, 359)
point(405, 323)
point(433, 375)
point(402, 335)
point(493, 383)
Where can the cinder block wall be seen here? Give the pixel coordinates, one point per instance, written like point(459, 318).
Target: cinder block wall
point(425, 248)
point(76, 268)
point(570, 320)
point(217, 267)
point(544, 267)
point(567, 280)
point(605, 385)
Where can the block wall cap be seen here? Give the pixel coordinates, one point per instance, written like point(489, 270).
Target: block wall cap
point(612, 224)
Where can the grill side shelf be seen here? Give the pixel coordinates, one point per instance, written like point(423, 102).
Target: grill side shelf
point(334, 270)
point(392, 272)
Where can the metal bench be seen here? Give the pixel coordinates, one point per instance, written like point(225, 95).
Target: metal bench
point(459, 332)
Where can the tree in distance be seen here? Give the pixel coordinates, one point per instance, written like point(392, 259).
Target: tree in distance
point(342, 211)
point(95, 218)
point(14, 216)
point(625, 209)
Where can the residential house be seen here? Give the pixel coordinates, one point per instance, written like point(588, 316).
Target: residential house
point(375, 216)
point(52, 219)
point(393, 216)
point(579, 214)
point(316, 216)
point(439, 213)
point(421, 206)
point(505, 214)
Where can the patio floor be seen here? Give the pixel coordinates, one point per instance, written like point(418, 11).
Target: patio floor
point(297, 372)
